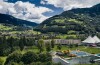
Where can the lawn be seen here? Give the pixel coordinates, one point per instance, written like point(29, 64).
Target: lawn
point(89, 64)
point(3, 59)
point(33, 50)
point(81, 48)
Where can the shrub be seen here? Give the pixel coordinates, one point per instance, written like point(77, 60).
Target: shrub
point(14, 57)
point(29, 57)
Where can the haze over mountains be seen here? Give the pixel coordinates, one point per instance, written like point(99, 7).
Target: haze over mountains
point(80, 20)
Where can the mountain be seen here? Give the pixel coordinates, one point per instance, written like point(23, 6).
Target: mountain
point(75, 21)
point(8, 19)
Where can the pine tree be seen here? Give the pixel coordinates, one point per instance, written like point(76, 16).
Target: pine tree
point(11, 41)
point(52, 43)
point(59, 46)
point(21, 44)
point(40, 45)
point(48, 47)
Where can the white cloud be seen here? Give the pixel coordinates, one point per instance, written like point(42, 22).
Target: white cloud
point(24, 10)
point(69, 4)
point(1, 0)
point(43, 2)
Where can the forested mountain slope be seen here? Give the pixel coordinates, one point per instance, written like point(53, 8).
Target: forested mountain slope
point(80, 20)
point(8, 19)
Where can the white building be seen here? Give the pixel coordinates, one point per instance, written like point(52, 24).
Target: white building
point(97, 40)
point(91, 40)
point(65, 41)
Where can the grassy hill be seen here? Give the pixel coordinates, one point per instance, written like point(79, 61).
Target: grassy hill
point(75, 21)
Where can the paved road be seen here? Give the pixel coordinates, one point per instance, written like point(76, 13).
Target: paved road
point(57, 59)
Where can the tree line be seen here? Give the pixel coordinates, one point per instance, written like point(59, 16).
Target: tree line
point(29, 58)
point(10, 44)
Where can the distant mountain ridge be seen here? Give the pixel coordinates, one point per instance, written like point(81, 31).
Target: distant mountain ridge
point(8, 19)
point(80, 20)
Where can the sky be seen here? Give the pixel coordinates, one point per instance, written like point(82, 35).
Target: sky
point(39, 10)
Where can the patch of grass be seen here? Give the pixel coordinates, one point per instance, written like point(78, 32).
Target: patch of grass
point(76, 21)
point(81, 48)
point(2, 27)
point(33, 50)
point(64, 48)
point(3, 59)
point(91, 50)
point(89, 64)
point(60, 20)
point(67, 36)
